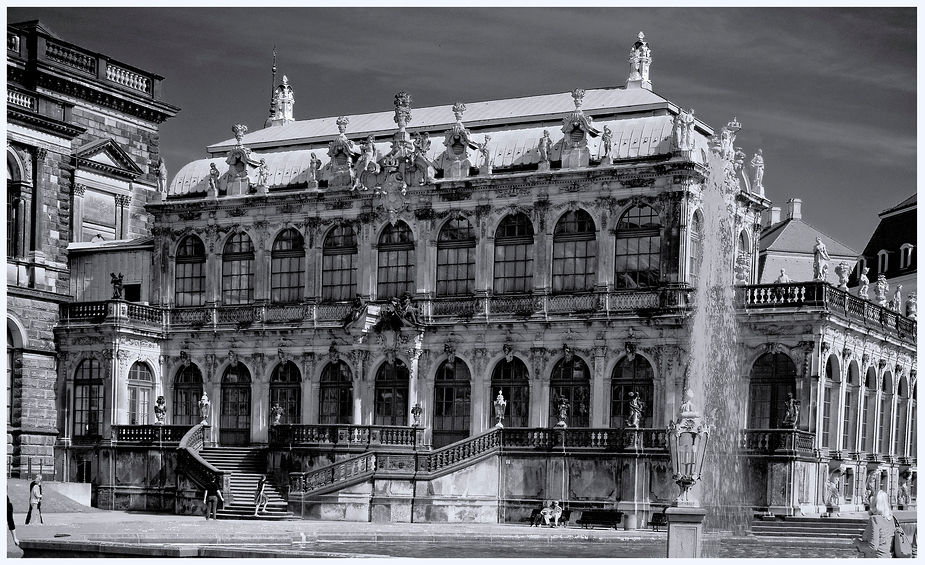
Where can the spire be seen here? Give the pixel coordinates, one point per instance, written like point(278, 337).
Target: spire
point(273, 85)
point(640, 59)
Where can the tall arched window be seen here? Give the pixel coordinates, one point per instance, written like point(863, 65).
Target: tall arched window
point(287, 264)
point(638, 248)
point(513, 380)
point(850, 422)
point(336, 395)
point(392, 394)
point(456, 259)
point(140, 389)
point(571, 381)
point(13, 364)
point(514, 255)
point(830, 403)
point(452, 397)
point(88, 399)
point(773, 376)
point(869, 412)
point(235, 422)
point(286, 390)
point(13, 218)
point(338, 265)
point(902, 399)
point(696, 251)
point(631, 375)
point(190, 285)
point(886, 413)
point(913, 435)
point(238, 270)
point(396, 261)
point(574, 253)
point(187, 390)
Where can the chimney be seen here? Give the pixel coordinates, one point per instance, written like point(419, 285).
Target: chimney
point(775, 215)
point(795, 209)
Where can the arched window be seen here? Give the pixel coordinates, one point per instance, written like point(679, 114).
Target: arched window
point(452, 394)
point(696, 251)
point(514, 255)
point(235, 423)
point(88, 399)
point(396, 261)
point(287, 264)
point(886, 413)
point(286, 390)
point(13, 217)
point(631, 375)
point(902, 399)
point(187, 390)
point(850, 422)
point(238, 270)
point(571, 382)
point(336, 395)
point(13, 364)
point(913, 435)
point(773, 376)
point(456, 259)
point(140, 388)
point(869, 412)
point(638, 248)
point(512, 379)
point(574, 253)
point(338, 265)
point(190, 286)
point(392, 394)
point(830, 403)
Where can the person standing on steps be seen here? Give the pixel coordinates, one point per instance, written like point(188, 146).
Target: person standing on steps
point(211, 498)
point(35, 500)
point(260, 497)
point(9, 520)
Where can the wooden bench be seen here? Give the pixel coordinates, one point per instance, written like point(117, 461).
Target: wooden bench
point(536, 517)
point(610, 518)
point(659, 519)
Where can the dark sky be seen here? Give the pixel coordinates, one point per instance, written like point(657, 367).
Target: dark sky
point(828, 94)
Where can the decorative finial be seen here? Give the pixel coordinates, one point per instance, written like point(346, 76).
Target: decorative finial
point(641, 37)
point(734, 125)
point(578, 95)
point(342, 124)
point(402, 109)
point(239, 131)
point(458, 110)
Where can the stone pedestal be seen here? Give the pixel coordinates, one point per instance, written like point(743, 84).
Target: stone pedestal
point(685, 531)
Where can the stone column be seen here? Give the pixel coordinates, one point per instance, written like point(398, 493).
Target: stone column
point(77, 213)
point(260, 413)
point(122, 214)
point(600, 392)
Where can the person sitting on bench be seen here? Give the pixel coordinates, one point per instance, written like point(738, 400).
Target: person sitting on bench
point(551, 510)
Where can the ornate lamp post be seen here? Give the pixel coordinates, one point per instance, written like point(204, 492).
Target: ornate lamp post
point(687, 443)
point(500, 405)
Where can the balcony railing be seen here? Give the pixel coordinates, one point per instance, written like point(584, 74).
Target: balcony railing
point(112, 310)
point(345, 435)
point(149, 434)
point(777, 441)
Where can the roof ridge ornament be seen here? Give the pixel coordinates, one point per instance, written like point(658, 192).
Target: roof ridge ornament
point(455, 160)
point(402, 109)
point(640, 58)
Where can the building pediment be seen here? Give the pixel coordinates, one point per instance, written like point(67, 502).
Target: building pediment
point(107, 157)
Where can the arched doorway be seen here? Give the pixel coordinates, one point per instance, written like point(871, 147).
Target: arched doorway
point(392, 394)
point(286, 390)
point(512, 379)
point(571, 381)
point(452, 399)
point(235, 426)
point(773, 376)
point(187, 390)
point(336, 395)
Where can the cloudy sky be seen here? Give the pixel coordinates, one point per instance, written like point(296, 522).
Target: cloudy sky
point(828, 94)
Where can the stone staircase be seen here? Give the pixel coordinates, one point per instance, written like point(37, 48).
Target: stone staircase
point(846, 528)
point(246, 465)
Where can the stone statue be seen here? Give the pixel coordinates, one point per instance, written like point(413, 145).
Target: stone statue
point(881, 289)
point(356, 308)
point(684, 130)
point(687, 407)
point(904, 494)
point(500, 404)
point(843, 269)
point(277, 412)
point(116, 286)
point(486, 156)
point(406, 309)
point(161, 176)
point(213, 180)
point(282, 105)
point(607, 144)
point(738, 160)
point(640, 58)
point(635, 416)
point(160, 410)
point(791, 412)
point(314, 168)
point(416, 412)
point(263, 174)
point(562, 408)
point(873, 485)
point(897, 303)
point(820, 258)
point(508, 352)
point(831, 490)
point(743, 269)
point(204, 406)
point(911, 305)
point(545, 147)
point(366, 163)
point(783, 278)
point(757, 164)
point(864, 283)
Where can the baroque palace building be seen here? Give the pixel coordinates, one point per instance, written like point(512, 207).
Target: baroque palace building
point(82, 156)
point(352, 294)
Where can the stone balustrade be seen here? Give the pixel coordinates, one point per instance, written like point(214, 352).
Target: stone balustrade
point(128, 78)
point(777, 441)
point(193, 465)
point(26, 101)
point(80, 60)
point(345, 435)
point(150, 433)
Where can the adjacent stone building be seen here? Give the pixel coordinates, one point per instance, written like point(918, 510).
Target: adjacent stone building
point(82, 162)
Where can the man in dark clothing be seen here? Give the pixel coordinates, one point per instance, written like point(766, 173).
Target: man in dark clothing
point(212, 496)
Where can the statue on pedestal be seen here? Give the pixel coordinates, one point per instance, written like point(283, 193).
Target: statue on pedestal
point(791, 412)
point(500, 404)
point(161, 176)
point(544, 149)
point(881, 289)
point(607, 145)
point(213, 180)
point(843, 269)
point(897, 303)
point(757, 164)
point(864, 284)
point(204, 406)
point(314, 171)
point(116, 286)
point(160, 410)
point(635, 416)
point(684, 130)
point(562, 408)
point(911, 305)
point(485, 169)
point(820, 261)
point(277, 412)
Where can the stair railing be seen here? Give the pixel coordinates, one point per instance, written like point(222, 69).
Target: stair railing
point(337, 475)
point(193, 465)
point(451, 457)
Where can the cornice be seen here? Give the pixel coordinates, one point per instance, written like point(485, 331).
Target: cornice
point(41, 123)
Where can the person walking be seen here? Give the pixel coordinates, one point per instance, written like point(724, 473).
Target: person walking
point(877, 538)
point(260, 497)
point(210, 499)
point(35, 500)
point(9, 520)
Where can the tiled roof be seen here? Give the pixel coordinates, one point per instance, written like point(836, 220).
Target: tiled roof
point(796, 236)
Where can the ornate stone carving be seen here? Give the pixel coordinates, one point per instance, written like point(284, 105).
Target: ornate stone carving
point(842, 270)
point(881, 289)
point(342, 152)
point(282, 105)
point(577, 127)
point(639, 59)
point(757, 164)
point(820, 261)
point(683, 131)
point(508, 352)
point(544, 150)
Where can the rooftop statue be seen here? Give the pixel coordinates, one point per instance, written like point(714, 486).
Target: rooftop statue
point(820, 261)
point(911, 305)
point(864, 283)
point(881, 289)
point(639, 59)
point(485, 169)
point(366, 165)
point(455, 159)
point(161, 176)
point(314, 171)
point(606, 146)
point(281, 106)
point(544, 148)
point(339, 170)
point(843, 269)
point(757, 164)
point(237, 180)
point(684, 130)
point(897, 302)
point(214, 175)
